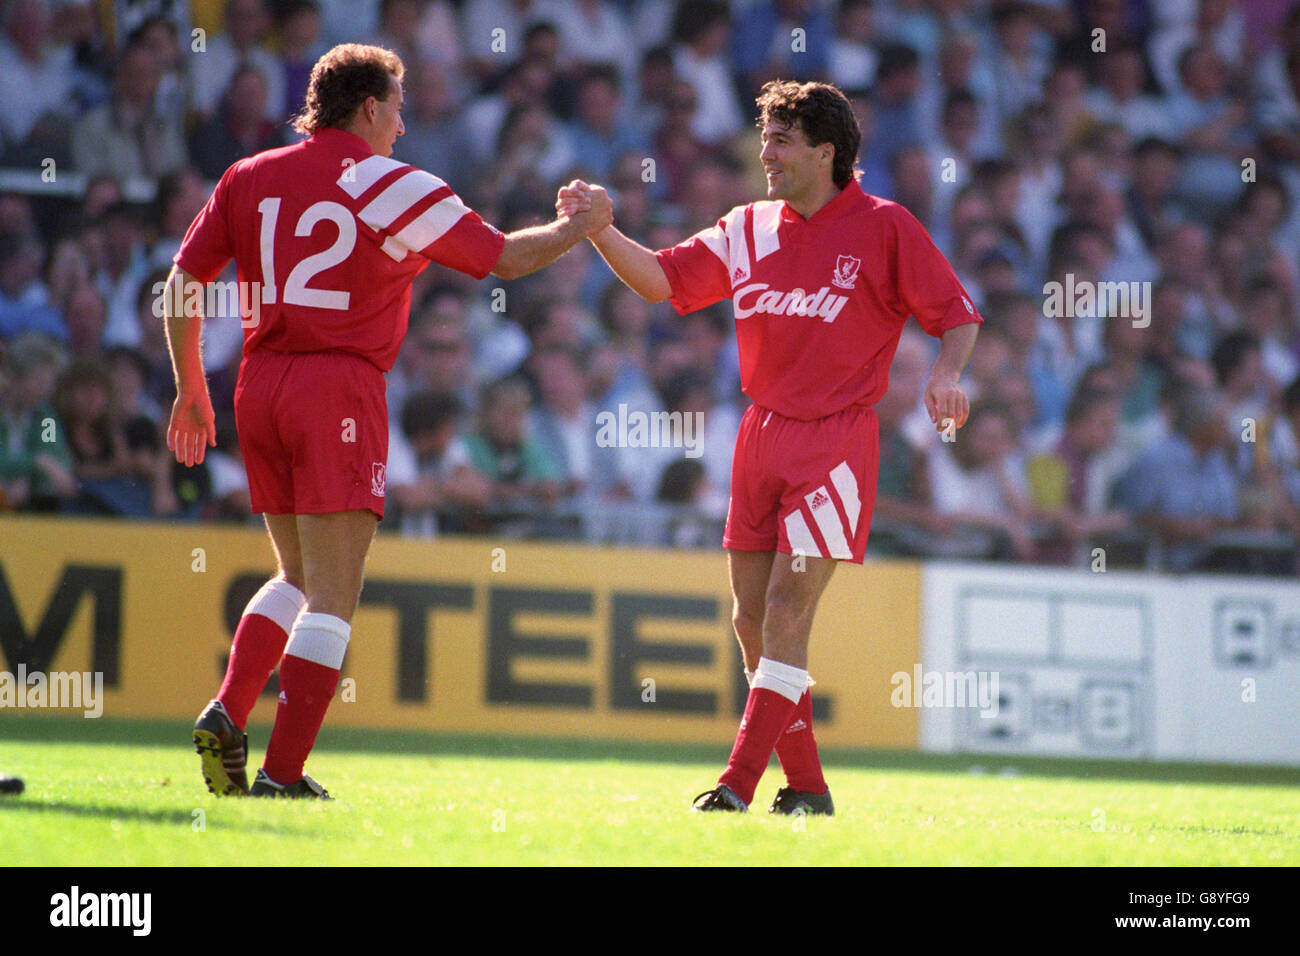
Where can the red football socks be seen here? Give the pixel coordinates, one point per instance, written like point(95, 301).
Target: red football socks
point(258, 645)
point(309, 675)
point(796, 748)
point(306, 689)
point(767, 714)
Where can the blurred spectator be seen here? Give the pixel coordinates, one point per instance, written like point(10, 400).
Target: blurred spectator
point(181, 197)
point(1216, 25)
point(35, 463)
point(594, 32)
point(682, 486)
point(702, 30)
point(907, 520)
point(1267, 316)
point(301, 45)
point(494, 31)
point(159, 35)
point(600, 133)
point(523, 477)
point(218, 489)
point(1121, 96)
point(25, 304)
point(110, 481)
point(86, 317)
point(1022, 66)
point(435, 355)
point(38, 78)
point(976, 481)
point(128, 136)
point(121, 263)
point(899, 121)
point(1182, 490)
point(239, 129)
point(763, 43)
point(239, 46)
point(563, 423)
point(436, 138)
point(399, 24)
point(852, 58)
point(1150, 196)
point(1211, 124)
point(485, 116)
point(430, 476)
point(1070, 486)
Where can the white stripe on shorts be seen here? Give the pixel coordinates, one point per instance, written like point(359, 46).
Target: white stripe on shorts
point(846, 485)
point(801, 539)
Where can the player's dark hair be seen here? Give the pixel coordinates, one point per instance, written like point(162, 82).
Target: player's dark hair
point(342, 80)
point(824, 115)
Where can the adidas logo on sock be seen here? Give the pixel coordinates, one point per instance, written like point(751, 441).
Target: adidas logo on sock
point(798, 725)
point(284, 698)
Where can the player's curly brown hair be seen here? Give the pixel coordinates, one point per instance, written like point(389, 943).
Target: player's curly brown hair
point(341, 81)
point(824, 115)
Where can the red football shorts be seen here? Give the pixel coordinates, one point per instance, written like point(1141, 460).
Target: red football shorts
point(313, 427)
point(804, 487)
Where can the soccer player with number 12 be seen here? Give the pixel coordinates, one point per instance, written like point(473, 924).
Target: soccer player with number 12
point(327, 236)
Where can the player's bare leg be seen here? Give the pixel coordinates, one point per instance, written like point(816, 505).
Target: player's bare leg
point(779, 685)
point(795, 587)
point(749, 571)
point(333, 548)
point(793, 596)
point(257, 647)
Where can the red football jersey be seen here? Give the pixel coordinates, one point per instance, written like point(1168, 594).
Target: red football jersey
point(327, 237)
point(820, 303)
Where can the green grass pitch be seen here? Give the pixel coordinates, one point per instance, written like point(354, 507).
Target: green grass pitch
point(127, 793)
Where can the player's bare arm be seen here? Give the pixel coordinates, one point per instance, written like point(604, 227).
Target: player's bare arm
point(632, 262)
point(192, 426)
point(528, 250)
point(945, 400)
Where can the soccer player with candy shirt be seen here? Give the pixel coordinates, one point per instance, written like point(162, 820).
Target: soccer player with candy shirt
point(327, 236)
point(822, 277)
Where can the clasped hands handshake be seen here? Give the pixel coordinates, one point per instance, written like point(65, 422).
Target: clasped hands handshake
point(588, 207)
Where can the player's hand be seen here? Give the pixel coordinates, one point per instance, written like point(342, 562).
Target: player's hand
point(599, 216)
point(573, 198)
point(946, 403)
point(192, 427)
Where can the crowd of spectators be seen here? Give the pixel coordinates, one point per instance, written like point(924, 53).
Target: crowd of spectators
point(1152, 147)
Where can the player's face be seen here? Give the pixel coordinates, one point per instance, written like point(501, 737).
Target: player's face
point(388, 120)
point(793, 167)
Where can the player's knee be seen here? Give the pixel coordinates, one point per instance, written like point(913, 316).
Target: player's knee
point(787, 612)
point(748, 624)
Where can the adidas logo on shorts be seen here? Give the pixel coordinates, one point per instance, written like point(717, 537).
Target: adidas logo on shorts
point(819, 500)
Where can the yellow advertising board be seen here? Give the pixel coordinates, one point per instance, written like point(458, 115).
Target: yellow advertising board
point(465, 635)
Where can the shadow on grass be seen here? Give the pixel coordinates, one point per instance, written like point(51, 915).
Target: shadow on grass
point(16, 804)
point(147, 733)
